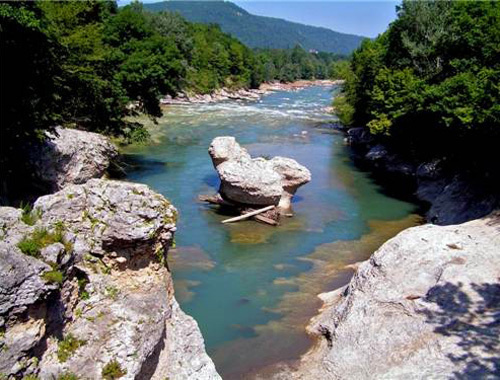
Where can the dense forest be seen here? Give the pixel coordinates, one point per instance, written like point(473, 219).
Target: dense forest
point(83, 63)
point(430, 84)
point(287, 65)
point(259, 31)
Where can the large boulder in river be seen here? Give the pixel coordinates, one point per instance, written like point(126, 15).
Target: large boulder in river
point(84, 283)
point(255, 181)
point(70, 156)
point(249, 181)
point(425, 305)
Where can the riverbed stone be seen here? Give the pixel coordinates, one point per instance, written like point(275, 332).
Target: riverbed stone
point(293, 175)
point(225, 148)
point(252, 182)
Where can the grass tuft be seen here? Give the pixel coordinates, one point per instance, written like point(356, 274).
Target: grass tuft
point(67, 347)
point(53, 276)
point(113, 370)
point(67, 376)
point(29, 216)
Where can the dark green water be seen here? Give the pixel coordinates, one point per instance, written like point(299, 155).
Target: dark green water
point(235, 279)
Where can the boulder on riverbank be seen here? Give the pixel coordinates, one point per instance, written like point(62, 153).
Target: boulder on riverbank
point(85, 285)
point(71, 156)
point(257, 181)
point(425, 305)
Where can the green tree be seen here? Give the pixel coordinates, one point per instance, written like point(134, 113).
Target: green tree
point(430, 83)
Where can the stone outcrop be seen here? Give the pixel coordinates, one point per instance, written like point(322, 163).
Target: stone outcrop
point(255, 181)
point(84, 283)
point(425, 305)
point(453, 194)
point(71, 156)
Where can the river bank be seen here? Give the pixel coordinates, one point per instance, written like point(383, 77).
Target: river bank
point(225, 94)
point(451, 192)
point(424, 305)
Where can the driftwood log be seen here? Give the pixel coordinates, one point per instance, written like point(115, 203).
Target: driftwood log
point(268, 215)
point(248, 215)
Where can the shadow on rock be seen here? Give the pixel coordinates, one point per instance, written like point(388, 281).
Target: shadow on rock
point(474, 323)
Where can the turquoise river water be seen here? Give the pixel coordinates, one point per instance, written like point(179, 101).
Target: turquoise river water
point(252, 287)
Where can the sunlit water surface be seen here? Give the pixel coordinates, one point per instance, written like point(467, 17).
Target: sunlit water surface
point(251, 287)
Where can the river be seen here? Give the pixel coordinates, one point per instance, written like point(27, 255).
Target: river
point(252, 287)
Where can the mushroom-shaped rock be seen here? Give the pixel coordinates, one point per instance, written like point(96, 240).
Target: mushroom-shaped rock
point(251, 182)
point(257, 181)
point(225, 148)
point(293, 175)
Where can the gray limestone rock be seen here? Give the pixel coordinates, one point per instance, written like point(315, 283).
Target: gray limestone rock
point(425, 305)
point(256, 181)
point(116, 295)
point(293, 175)
point(251, 182)
point(71, 156)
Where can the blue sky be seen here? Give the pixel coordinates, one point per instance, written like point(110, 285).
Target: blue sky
point(363, 17)
point(366, 18)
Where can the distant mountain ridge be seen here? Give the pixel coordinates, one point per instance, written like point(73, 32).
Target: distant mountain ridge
point(260, 31)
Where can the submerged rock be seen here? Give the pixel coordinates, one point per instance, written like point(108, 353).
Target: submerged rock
point(86, 283)
point(426, 305)
point(71, 156)
point(255, 181)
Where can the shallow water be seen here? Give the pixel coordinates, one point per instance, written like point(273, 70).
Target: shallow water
point(251, 287)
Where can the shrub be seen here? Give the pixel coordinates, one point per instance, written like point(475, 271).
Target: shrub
point(67, 347)
point(113, 370)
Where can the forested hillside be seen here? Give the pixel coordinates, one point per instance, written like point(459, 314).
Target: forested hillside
point(259, 31)
point(430, 85)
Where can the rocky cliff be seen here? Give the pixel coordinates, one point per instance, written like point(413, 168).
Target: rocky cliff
point(425, 305)
point(454, 195)
point(85, 290)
